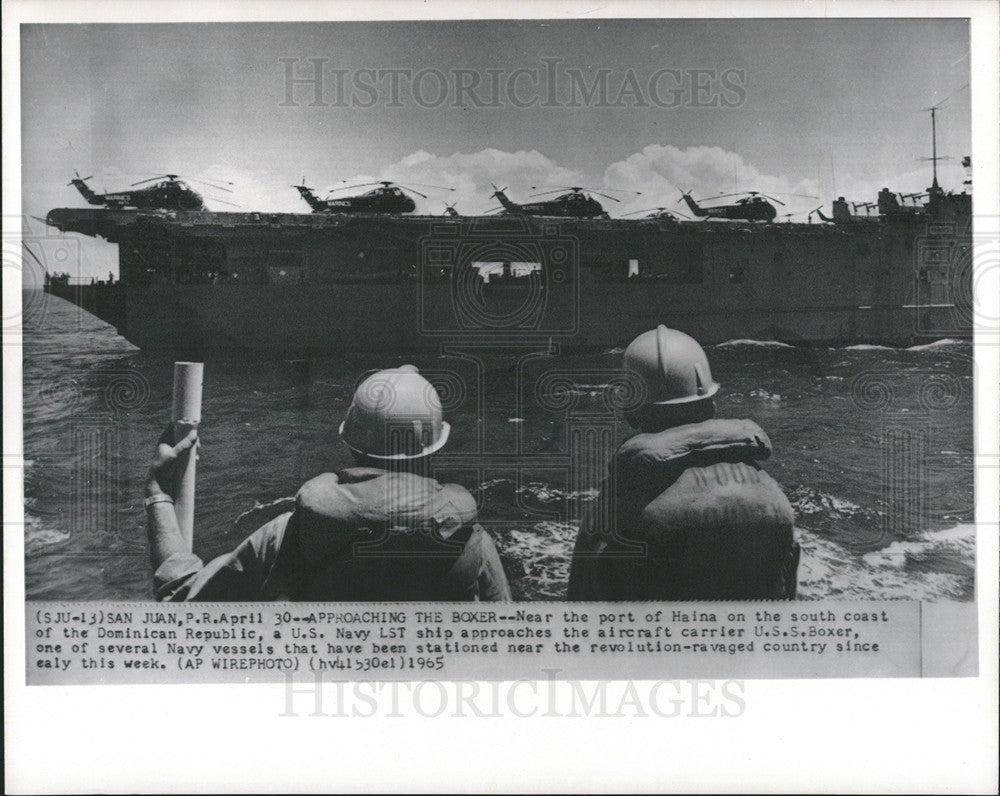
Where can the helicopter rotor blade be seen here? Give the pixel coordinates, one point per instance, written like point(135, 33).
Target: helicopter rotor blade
point(359, 185)
point(425, 185)
point(598, 193)
point(621, 190)
point(212, 184)
point(409, 190)
point(224, 202)
point(171, 177)
point(727, 195)
point(554, 190)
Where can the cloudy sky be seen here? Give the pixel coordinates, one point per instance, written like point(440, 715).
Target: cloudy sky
point(815, 107)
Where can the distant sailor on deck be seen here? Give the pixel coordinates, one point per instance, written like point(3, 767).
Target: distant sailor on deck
point(692, 515)
point(383, 530)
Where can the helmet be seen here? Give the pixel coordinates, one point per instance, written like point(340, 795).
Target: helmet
point(395, 414)
point(672, 366)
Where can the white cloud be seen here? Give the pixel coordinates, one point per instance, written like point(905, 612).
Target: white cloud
point(663, 173)
point(473, 174)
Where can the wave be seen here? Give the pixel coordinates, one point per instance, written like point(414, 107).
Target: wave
point(947, 341)
point(537, 490)
point(910, 570)
point(548, 494)
point(959, 539)
point(544, 551)
point(39, 534)
point(807, 500)
point(760, 343)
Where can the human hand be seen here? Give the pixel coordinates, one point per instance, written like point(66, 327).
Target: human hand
point(161, 480)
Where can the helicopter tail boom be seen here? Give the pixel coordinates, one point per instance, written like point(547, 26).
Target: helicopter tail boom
point(88, 194)
point(695, 208)
point(311, 199)
point(507, 204)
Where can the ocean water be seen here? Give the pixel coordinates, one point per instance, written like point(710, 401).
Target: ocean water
point(872, 445)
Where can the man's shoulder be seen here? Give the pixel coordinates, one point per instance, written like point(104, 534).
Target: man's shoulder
point(711, 440)
point(333, 494)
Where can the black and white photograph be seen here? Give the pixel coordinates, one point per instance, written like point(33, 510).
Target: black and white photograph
point(355, 236)
point(418, 345)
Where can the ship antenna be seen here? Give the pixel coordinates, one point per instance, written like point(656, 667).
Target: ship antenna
point(934, 155)
point(934, 147)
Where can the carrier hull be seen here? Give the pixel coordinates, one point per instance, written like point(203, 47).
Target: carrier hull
point(294, 284)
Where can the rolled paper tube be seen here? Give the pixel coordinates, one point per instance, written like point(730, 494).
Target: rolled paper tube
point(185, 415)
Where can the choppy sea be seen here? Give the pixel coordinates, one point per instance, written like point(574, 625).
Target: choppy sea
point(873, 446)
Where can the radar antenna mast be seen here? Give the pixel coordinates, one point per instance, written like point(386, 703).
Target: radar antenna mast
point(934, 155)
point(934, 158)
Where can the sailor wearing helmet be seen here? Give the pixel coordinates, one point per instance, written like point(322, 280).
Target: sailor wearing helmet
point(688, 512)
point(383, 530)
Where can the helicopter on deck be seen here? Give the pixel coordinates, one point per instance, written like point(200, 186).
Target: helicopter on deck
point(170, 193)
point(575, 204)
point(752, 207)
point(389, 197)
point(842, 212)
point(660, 214)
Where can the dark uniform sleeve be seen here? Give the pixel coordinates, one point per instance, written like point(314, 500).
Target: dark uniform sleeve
point(478, 573)
point(602, 564)
point(235, 576)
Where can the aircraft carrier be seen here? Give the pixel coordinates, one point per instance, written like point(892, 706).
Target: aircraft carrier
point(195, 282)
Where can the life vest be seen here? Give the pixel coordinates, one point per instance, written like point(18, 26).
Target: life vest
point(368, 534)
point(692, 516)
